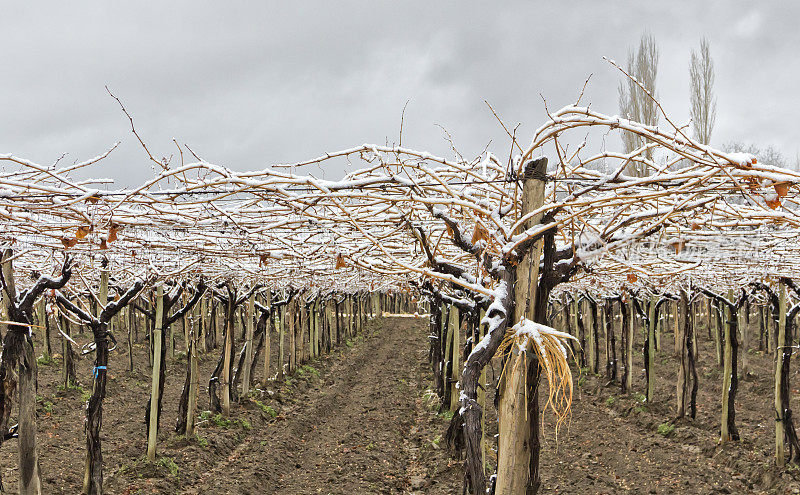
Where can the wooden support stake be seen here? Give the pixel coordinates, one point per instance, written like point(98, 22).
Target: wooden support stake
point(225, 380)
point(650, 350)
point(292, 327)
point(156, 375)
point(41, 318)
point(518, 445)
point(590, 339)
point(283, 318)
point(267, 344)
point(202, 326)
point(171, 341)
point(725, 434)
point(248, 342)
point(447, 331)
point(780, 434)
point(191, 355)
point(683, 358)
point(8, 275)
point(482, 397)
point(744, 331)
point(129, 318)
point(455, 369)
point(29, 477)
point(630, 335)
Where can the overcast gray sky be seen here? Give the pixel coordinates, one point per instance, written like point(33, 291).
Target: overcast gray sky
point(247, 84)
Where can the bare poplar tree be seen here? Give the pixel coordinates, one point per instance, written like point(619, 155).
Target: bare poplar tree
point(704, 104)
point(634, 102)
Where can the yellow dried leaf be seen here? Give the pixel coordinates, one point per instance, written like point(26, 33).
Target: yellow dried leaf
point(479, 234)
point(68, 243)
point(774, 203)
point(678, 245)
point(82, 232)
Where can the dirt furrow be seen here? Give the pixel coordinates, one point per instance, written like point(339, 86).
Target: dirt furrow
point(349, 434)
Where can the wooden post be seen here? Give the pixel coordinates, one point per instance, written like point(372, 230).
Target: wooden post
point(766, 323)
point(518, 445)
point(611, 348)
point(134, 325)
point(712, 325)
point(362, 312)
point(695, 314)
point(659, 326)
point(447, 331)
point(580, 333)
point(590, 343)
point(230, 317)
point(41, 317)
point(780, 434)
point(156, 374)
point(347, 317)
point(201, 327)
point(676, 331)
point(185, 323)
point(283, 318)
point(68, 369)
point(8, 275)
point(29, 478)
point(455, 369)
point(360, 316)
point(683, 365)
point(248, 342)
point(319, 307)
point(630, 335)
point(351, 319)
point(300, 339)
point(292, 327)
point(354, 324)
point(149, 328)
point(219, 324)
point(129, 318)
point(650, 350)
point(482, 397)
point(311, 323)
point(171, 341)
point(330, 323)
point(267, 345)
point(191, 355)
point(725, 434)
point(744, 331)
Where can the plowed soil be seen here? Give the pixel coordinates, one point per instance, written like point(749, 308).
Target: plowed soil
point(618, 443)
point(358, 421)
point(351, 422)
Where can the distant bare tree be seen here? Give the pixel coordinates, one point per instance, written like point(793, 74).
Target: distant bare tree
point(768, 154)
point(704, 104)
point(634, 103)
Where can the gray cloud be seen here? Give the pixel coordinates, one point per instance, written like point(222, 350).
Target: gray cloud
point(247, 84)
